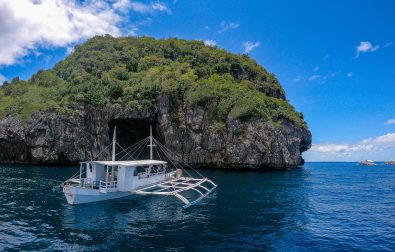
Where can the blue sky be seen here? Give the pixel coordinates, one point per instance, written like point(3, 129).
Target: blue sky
point(335, 59)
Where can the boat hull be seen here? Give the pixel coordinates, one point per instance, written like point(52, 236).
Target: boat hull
point(78, 195)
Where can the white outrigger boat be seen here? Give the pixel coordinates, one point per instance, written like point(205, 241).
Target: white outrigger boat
point(367, 162)
point(105, 180)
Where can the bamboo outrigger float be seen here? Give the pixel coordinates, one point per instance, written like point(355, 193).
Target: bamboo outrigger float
point(104, 180)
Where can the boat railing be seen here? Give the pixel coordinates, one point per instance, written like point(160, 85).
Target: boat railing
point(89, 183)
point(86, 182)
point(110, 186)
point(170, 174)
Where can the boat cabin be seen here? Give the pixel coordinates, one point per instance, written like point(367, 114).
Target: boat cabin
point(123, 176)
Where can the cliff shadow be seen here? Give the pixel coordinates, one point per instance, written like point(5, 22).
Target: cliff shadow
point(131, 131)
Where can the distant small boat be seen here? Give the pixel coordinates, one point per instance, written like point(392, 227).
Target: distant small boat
point(367, 163)
point(392, 162)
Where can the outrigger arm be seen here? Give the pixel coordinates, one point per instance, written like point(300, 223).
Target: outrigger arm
point(176, 186)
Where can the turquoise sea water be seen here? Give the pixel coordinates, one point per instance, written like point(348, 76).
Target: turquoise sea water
point(321, 207)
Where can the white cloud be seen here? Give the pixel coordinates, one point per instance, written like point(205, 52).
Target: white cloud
point(345, 149)
point(365, 46)
point(323, 77)
point(326, 57)
point(342, 151)
point(210, 42)
point(158, 6)
point(224, 26)
point(297, 78)
point(27, 26)
point(391, 121)
point(69, 50)
point(334, 74)
point(122, 5)
point(329, 148)
point(350, 74)
point(126, 5)
point(384, 140)
point(314, 77)
point(2, 79)
point(250, 46)
point(388, 44)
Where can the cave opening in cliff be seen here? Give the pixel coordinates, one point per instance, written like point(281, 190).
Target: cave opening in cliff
point(131, 131)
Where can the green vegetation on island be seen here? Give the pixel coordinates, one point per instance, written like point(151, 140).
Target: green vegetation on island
point(135, 71)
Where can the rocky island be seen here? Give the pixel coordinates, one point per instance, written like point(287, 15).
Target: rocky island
point(215, 109)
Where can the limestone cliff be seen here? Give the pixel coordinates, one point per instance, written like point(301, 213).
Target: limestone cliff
point(54, 138)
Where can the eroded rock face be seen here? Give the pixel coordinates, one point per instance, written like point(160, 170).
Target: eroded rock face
point(12, 141)
point(55, 138)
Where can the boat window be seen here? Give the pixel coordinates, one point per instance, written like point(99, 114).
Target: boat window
point(90, 167)
point(156, 168)
point(140, 169)
point(109, 169)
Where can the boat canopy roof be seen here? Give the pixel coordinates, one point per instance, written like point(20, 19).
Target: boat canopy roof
point(129, 163)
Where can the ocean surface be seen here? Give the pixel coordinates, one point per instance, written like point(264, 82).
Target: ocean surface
point(321, 207)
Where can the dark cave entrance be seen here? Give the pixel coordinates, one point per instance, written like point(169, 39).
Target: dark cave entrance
point(131, 131)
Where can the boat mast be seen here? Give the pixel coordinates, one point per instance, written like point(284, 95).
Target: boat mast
point(113, 143)
point(150, 142)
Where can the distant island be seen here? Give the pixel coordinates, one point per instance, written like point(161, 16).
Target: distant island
point(215, 109)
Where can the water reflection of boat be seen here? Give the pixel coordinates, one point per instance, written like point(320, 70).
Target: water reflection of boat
point(367, 163)
point(392, 162)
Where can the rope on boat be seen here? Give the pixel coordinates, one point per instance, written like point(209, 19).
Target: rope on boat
point(175, 159)
point(131, 152)
point(101, 152)
point(169, 158)
point(131, 148)
point(160, 156)
point(174, 154)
